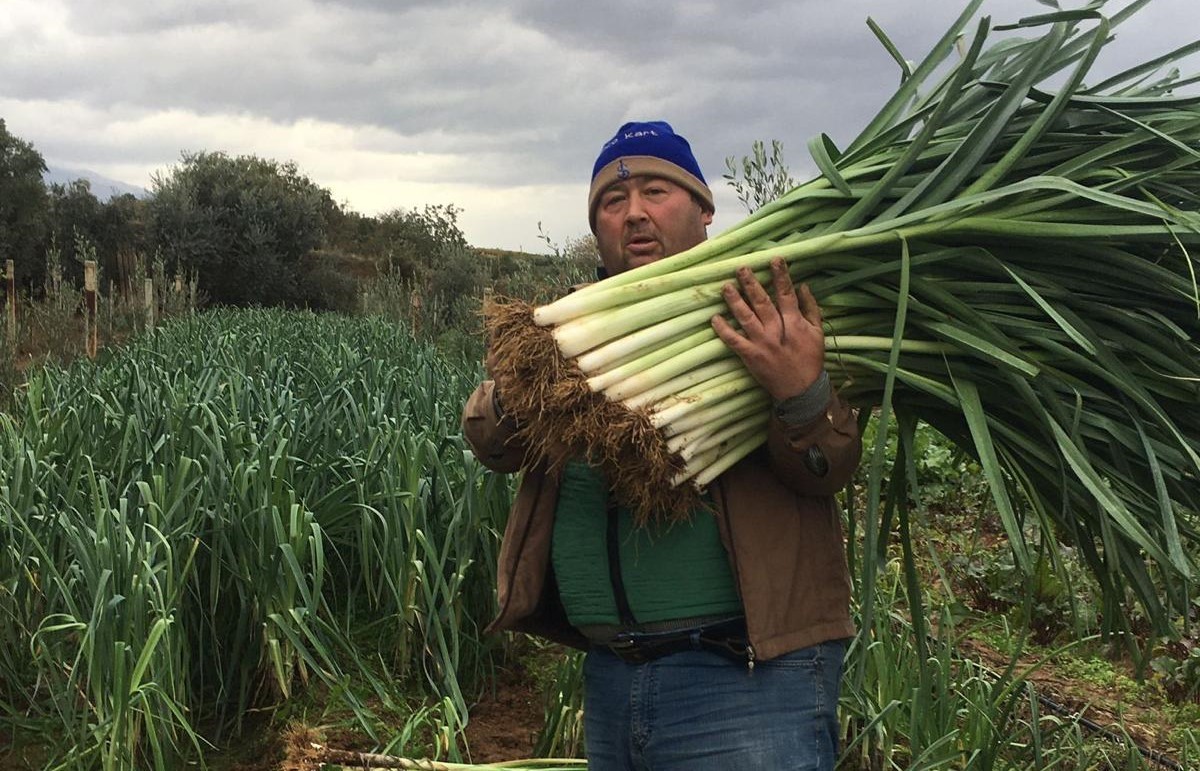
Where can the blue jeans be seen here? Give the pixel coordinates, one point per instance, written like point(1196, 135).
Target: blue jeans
point(697, 711)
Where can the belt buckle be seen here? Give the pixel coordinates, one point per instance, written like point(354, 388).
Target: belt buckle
point(625, 647)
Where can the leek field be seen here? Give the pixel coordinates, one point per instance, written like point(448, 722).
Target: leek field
point(254, 540)
point(231, 511)
point(249, 523)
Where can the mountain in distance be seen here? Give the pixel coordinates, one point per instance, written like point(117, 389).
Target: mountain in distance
point(102, 187)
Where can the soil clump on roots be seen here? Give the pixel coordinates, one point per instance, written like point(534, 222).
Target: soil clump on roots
point(559, 418)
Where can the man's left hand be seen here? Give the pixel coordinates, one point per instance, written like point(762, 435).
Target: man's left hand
point(781, 342)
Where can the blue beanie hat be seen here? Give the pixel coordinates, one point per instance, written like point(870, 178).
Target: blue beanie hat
point(647, 149)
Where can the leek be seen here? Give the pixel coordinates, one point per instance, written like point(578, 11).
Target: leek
point(1050, 305)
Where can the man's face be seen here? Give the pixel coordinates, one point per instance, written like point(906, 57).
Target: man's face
point(643, 219)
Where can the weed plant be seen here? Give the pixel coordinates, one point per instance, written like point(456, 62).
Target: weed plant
point(562, 729)
point(52, 328)
point(445, 308)
point(912, 701)
point(10, 375)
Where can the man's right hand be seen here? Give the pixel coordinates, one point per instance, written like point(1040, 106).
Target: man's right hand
point(781, 342)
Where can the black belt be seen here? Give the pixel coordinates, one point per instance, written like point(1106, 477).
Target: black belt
point(728, 639)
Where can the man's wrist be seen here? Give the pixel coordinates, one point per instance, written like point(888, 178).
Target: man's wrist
point(807, 406)
point(496, 405)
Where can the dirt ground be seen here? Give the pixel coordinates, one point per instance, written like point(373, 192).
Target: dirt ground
point(504, 725)
point(1103, 706)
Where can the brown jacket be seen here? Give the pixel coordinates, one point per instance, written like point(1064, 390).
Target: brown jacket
point(777, 520)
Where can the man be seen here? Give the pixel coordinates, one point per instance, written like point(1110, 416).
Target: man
point(718, 643)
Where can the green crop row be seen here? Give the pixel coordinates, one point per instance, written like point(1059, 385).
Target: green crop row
point(243, 510)
point(229, 508)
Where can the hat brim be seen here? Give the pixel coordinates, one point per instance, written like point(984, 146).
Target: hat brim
point(629, 166)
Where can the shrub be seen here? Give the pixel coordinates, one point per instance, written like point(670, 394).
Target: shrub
point(243, 224)
point(322, 284)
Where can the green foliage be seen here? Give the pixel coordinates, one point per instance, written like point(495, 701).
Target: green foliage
point(10, 376)
point(562, 729)
point(1177, 669)
point(23, 204)
point(441, 300)
point(114, 230)
point(427, 274)
point(1054, 602)
point(233, 508)
point(457, 279)
point(323, 285)
point(948, 478)
point(978, 593)
point(761, 178)
point(50, 329)
point(243, 224)
point(394, 297)
point(1095, 671)
point(963, 531)
point(123, 226)
point(443, 309)
point(542, 278)
point(74, 216)
point(411, 237)
point(911, 701)
point(408, 242)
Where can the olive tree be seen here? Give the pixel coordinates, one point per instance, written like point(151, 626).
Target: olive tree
point(243, 223)
point(22, 205)
point(759, 179)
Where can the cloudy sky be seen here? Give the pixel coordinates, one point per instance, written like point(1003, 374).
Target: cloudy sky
point(498, 107)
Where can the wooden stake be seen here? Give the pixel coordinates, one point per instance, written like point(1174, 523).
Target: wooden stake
point(11, 297)
point(89, 301)
point(148, 296)
point(414, 299)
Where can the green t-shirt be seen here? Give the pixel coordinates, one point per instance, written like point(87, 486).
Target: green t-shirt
point(668, 572)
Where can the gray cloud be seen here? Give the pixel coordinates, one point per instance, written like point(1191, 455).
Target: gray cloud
point(521, 92)
point(163, 16)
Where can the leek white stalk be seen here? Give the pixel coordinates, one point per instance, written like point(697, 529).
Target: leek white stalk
point(646, 340)
point(639, 392)
point(755, 423)
point(701, 435)
point(716, 403)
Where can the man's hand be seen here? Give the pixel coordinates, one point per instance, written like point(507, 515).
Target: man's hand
point(781, 343)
